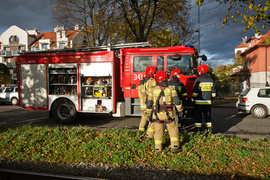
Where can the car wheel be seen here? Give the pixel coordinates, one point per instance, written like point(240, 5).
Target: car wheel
point(64, 111)
point(14, 101)
point(259, 111)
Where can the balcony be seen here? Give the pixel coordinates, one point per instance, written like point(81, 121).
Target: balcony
point(5, 53)
point(16, 52)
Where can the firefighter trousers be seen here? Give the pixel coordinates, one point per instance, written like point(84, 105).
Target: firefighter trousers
point(143, 125)
point(205, 111)
point(159, 134)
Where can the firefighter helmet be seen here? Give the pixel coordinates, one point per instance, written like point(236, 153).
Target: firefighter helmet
point(160, 76)
point(175, 72)
point(150, 71)
point(203, 68)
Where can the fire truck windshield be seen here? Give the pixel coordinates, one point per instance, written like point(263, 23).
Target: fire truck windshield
point(140, 63)
point(183, 64)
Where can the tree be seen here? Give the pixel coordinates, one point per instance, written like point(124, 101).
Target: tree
point(254, 13)
point(163, 22)
point(4, 74)
point(224, 82)
point(99, 19)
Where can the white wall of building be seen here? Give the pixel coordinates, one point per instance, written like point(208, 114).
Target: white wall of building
point(14, 31)
point(239, 49)
point(258, 79)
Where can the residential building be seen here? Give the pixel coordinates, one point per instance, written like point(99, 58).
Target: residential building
point(16, 40)
point(255, 53)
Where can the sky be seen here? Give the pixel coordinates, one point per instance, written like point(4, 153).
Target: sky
point(218, 45)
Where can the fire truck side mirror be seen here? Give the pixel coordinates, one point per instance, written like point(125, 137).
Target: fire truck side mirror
point(193, 62)
point(204, 58)
point(177, 57)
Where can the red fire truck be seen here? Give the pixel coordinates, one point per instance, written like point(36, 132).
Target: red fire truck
point(101, 79)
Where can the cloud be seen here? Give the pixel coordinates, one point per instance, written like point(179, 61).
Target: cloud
point(215, 43)
point(27, 14)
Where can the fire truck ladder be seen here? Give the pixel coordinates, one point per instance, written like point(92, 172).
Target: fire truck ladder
point(116, 46)
point(108, 47)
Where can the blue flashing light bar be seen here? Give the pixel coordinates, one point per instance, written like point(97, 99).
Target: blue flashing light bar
point(189, 46)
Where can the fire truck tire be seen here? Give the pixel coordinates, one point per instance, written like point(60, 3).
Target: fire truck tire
point(64, 111)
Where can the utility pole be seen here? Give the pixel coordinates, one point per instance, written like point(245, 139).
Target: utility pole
point(199, 29)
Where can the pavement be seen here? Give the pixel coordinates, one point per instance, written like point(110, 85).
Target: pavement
point(242, 129)
point(225, 103)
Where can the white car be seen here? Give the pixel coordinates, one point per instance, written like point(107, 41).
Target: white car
point(255, 101)
point(9, 94)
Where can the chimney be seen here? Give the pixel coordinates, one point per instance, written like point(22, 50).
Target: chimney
point(77, 27)
point(60, 32)
point(33, 32)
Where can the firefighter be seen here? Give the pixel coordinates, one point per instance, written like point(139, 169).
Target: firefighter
point(145, 85)
point(181, 91)
point(160, 105)
point(203, 91)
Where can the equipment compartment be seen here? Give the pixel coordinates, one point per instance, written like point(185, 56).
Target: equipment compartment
point(62, 80)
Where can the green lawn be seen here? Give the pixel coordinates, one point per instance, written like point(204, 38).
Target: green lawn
point(202, 154)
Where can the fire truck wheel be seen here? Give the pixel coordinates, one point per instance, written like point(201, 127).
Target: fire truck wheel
point(64, 111)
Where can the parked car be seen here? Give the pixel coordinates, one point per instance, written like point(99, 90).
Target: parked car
point(9, 94)
point(255, 101)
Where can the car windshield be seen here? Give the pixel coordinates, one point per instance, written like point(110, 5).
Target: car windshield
point(245, 92)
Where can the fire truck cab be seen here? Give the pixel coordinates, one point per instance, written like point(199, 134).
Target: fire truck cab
point(101, 79)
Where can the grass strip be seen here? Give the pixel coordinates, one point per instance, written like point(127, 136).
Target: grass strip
point(202, 154)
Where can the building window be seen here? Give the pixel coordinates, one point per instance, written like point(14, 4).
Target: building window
point(13, 38)
point(44, 46)
point(22, 48)
point(61, 45)
point(7, 48)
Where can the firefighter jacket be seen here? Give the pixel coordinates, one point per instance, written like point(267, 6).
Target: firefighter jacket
point(204, 90)
point(178, 86)
point(144, 88)
point(161, 100)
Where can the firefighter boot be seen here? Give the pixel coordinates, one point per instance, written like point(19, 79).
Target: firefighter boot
point(140, 133)
point(198, 129)
point(209, 126)
point(209, 129)
point(175, 149)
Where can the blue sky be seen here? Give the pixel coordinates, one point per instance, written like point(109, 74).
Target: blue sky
point(218, 45)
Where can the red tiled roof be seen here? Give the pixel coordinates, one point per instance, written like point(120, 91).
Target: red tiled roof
point(264, 38)
point(261, 42)
point(241, 45)
point(52, 36)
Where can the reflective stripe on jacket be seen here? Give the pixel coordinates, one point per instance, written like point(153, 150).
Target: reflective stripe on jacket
point(204, 90)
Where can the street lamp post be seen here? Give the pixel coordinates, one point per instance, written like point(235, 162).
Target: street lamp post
point(199, 30)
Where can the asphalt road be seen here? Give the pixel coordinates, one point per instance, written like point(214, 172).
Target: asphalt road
point(226, 120)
